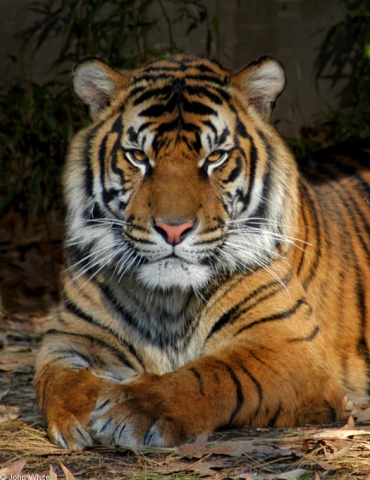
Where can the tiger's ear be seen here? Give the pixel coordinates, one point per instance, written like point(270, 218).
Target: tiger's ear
point(262, 82)
point(96, 84)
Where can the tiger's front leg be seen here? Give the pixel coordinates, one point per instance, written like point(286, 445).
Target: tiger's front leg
point(234, 388)
point(157, 411)
point(67, 398)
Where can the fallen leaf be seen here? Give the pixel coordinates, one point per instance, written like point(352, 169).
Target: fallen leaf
point(238, 448)
point(350, 425)
point(8, 417)
point(293, 475)
point(52, 475)
point(340, 453)
point(14, 470)
point(194, 449)
point(68, 474)
point(337, 444)
point(363, 415)
point(326, 465)
point(339, 433)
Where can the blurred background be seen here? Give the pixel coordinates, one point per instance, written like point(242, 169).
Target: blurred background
point(324, 46)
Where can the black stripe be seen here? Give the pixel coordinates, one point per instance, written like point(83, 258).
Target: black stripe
point(239, 393)
point(149, 334)
point(303, 248)
point(308, 338)
point(204, 92)
point(86, 156)
point(257, 385)
point(231, 285)
point(253, 159)
point(363, 349)
point(223, 137)
point(117, 126)
point(317, 232)
point(69, 305)
point(199, 380)
point(101, 156)
point(182, 63)
point(273, 318)
point(73, 308)
point(235, 311)
point(197, 108)
point(274, 418)
point(240, 129)
point(351, 206)
point(164, 92)
point(210, 125)
point(234, 174)
point(135, 91)
point(118, 354)
point(66, 352)
point(153, 111)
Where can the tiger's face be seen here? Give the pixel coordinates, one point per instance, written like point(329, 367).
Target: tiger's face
point(177, 181)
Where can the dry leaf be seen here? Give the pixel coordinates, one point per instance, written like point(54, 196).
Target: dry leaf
point(350, 425)
point(293, 475)
point(339, 433)
point(14, 470)
point(67, 473)
point(194, 449)
point(340, 453)
point(326, 465)
point(53, 475)
point(238, 448)
point(235, 449)
point(8, 417)
point(363, 415)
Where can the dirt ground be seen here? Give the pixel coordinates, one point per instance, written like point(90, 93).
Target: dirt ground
point(29, 287)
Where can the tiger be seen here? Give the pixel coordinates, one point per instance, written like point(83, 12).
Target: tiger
point(212, 281)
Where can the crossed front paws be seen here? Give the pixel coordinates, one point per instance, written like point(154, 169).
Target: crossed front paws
point(143, 412)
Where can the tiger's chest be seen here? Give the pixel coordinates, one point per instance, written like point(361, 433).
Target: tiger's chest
point(167, 329)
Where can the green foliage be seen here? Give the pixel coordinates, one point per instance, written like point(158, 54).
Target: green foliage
point(37, 122)
point(35, 126)
point(344, 59)
point(116, 30)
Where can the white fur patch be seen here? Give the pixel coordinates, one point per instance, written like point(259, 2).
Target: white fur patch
point(169, 273)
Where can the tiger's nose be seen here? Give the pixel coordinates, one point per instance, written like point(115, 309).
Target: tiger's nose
point(173, 234)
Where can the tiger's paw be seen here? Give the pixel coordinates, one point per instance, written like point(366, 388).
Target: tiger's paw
point(71, 398)
point(138, 414)
point(68, 432)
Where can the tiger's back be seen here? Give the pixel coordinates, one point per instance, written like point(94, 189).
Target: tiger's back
point(336, 191)
point(201, 260)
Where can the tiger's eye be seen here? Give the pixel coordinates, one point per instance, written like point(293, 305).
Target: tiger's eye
point(139, 155)
point(214, 156)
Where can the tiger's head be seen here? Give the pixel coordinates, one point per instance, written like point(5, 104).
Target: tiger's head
point(180, 177)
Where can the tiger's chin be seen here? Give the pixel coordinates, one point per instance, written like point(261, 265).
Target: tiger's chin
point(174, 273)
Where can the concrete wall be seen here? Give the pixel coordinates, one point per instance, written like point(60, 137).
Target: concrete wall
point(290, 30)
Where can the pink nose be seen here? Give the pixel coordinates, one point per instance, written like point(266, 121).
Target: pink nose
point(173, 233)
